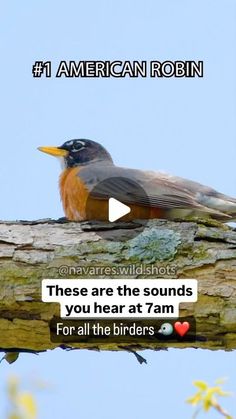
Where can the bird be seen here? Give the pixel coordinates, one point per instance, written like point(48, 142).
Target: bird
point(166, 329)
point(89, 177)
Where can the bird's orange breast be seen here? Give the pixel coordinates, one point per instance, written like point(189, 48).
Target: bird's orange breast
point(79, 206)
point(74, 194)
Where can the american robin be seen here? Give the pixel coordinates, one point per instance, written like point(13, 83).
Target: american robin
point(86, 164)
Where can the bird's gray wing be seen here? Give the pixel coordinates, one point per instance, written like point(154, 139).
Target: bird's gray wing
point(104, 181)
point(204, 195)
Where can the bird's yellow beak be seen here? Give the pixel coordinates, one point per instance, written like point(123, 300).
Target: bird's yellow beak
point(54, 151)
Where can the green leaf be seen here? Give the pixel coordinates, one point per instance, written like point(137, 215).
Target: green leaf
point(26, 401)
point(207, 405)
point(221, 380)
point(201, 385)
point(194, 400)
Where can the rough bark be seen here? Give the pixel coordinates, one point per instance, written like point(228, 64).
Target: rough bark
point(31, 251)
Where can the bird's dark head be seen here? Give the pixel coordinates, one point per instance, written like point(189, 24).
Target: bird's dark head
point(78, 152)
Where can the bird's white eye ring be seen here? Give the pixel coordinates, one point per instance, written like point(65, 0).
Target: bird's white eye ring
point(78, 145)
point(74, 149)
point(81, 142)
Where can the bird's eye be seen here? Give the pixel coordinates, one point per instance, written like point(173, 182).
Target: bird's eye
point(78, 146)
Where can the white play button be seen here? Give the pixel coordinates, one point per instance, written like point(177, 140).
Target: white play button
point(116, 209)
point(106, 202)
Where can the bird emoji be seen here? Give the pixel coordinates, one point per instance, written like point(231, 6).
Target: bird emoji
point(166, 329)
point(90, 178)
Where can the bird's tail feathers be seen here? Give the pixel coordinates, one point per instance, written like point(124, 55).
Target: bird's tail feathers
point(221, 203)
point(201, 212)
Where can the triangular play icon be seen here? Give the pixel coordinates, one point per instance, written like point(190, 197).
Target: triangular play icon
point(116, 209)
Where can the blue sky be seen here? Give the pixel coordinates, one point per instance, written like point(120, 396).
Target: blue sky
point(183, 126)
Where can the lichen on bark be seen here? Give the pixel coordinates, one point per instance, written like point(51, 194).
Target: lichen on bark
point(31, 251)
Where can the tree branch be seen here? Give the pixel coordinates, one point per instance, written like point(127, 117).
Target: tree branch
point(31, 251)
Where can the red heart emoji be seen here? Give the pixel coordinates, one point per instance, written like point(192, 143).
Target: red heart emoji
point(181, 328)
